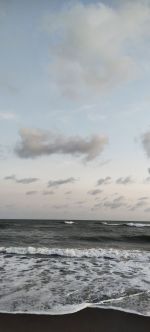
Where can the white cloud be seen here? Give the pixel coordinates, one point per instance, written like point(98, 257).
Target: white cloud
point(93, 46)
point(7, 116)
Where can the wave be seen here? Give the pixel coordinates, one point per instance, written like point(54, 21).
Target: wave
point(130, 224)
point(110, 224)
point(74, 308)
point(73, 252)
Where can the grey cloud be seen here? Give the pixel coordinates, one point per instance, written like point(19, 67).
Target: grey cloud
point(113, 205)
point(149, 170)
point(147, 210)
point(104, 181)
point(143, 198)
point(125, 180)
point(105, 162)
point(5, 151)
point(35, 143)
point(146, 143)
point(95, 192)
point(10, 177)
point(23, 181)
point(147, 180)
point(96, 206)
point(8, 87)
point(61, 206)
point(31, 192)
point(139, 204)
point(118, 199)
point(68, 192)
point(48, 192)
point(80, 202)
point(27, 180)
point(61, 182)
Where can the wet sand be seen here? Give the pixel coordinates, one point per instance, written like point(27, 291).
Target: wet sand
point(87, 320)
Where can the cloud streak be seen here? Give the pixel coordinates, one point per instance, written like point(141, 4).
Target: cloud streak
point(23, 180)
point(31, 192)
point(95, 192)
point(60, 182)
point(124, 180)
point(36, 143)
point(48, 192)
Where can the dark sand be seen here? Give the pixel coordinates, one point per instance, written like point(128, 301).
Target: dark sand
point(89, 320)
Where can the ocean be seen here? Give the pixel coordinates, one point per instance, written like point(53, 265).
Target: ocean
point(58, 266)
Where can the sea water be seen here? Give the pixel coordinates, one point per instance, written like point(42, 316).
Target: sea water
point(56, 266)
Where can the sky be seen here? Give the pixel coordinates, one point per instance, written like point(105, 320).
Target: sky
point(75, 109)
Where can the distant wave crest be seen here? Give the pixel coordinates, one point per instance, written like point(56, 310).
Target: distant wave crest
point(130, 224)
point(133, 224)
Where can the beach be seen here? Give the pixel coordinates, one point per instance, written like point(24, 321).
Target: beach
point(87, 320)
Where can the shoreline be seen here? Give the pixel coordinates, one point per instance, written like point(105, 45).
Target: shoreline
point(85, 320)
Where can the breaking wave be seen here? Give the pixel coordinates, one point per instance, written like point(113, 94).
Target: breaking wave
point(73, 252)
point(133, 224)
point(130, 224)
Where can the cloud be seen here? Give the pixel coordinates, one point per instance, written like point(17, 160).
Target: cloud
point(149, 170)
point(118, 199)
point(23, 181)
point(80, 202)
point(147, 210)
point(68, 192)
point(26, 180)
point(146, 143)
point(139, 204)
point(105, 162)
point(31, 192)
point(61, 182)
point(94, 192)
point(7, 116)
point(114, 204)
point(48, 192)
point(147, 180)
point(125, 180)
point(104, 181)
point(92, 46)
point(10, 177)
point(96, 206)
point(5, 150)
point(35, 143)
point(143, 198)
point(111, 204)
point(61, 206)
point(8, 87)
